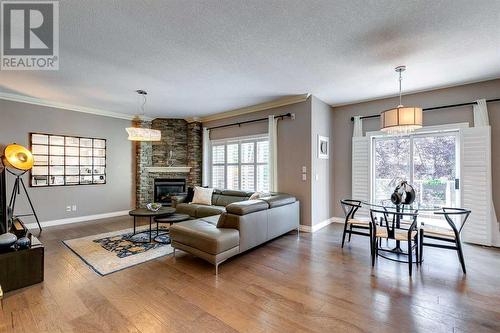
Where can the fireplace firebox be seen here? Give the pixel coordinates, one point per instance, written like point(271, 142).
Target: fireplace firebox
point(164, 189)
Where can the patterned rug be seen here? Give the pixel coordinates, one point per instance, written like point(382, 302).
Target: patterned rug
point(113, 251)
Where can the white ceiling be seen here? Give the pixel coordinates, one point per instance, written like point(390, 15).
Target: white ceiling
point(197, 58)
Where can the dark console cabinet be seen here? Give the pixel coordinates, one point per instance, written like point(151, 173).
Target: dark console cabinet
point(22, 268)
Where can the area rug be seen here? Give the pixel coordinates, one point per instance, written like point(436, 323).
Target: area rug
point(113, 251)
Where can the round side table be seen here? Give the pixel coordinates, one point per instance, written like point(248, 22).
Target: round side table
point(144, 212)
point(171, 219)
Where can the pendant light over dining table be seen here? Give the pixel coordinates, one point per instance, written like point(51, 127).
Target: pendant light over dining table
point(402, 119)
point(142, 133)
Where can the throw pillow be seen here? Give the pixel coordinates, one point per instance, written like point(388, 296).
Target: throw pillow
point(190, 194)
point(202, 196)
point(254, 196)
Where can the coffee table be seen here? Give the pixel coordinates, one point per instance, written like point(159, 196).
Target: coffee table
point(144, 212)
point(171, 219)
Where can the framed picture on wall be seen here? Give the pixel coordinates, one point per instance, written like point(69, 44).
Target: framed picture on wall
point(323, 147)
point(62, 160)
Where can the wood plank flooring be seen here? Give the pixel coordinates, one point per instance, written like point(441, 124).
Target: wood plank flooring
point(291, 284)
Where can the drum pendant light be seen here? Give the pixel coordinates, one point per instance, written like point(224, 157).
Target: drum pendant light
point(402, 119)
point(140, 133)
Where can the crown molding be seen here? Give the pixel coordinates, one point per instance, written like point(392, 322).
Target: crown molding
point(69, 107)
point(254, 108)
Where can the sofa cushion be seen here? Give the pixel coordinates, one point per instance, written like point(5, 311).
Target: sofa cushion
point(204, 211)
point(235, 193)
point(279, 200)
point(196, 210)
point(246, 207)
point(186, 208)
point(224, 200)
point(214, 219)
point(204, 236)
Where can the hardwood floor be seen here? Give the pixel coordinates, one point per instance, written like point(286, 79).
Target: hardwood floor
point(290, 284)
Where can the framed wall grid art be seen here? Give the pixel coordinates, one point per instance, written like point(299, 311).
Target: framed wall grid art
point(62, 160)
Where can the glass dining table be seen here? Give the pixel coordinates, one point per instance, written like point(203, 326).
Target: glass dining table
point(394, 253)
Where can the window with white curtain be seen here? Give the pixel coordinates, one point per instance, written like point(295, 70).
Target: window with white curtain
point(241, 164)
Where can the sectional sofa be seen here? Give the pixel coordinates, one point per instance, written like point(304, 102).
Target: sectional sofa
point(232, 224)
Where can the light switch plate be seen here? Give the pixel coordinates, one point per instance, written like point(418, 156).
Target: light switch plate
point(304, 169)
point(304, 177)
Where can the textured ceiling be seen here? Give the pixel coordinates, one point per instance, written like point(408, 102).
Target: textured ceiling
point(202, 57)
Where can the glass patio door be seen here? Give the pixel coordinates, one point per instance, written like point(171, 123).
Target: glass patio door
point(435, 170)
point(429, 162)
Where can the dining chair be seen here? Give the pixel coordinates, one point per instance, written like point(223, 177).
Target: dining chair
point(448, 235)
point(353, 225)
point(389, 229)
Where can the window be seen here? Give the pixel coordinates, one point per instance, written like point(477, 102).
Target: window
point(427, 161)
point(241, 164)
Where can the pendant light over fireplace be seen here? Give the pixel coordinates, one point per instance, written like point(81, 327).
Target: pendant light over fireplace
point(402, 119)
point(140, 133)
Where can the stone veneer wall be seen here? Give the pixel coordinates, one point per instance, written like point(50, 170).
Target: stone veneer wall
point(173, 138)
point(194, 152)
point(179, 136)
point(143, 157)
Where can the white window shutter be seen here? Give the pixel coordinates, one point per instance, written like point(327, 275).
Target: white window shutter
point(360, 168)
point(476, 184)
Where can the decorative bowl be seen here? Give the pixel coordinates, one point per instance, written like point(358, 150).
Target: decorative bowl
point(153, 206)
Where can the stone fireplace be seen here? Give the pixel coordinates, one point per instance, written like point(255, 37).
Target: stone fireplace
point(152, 158)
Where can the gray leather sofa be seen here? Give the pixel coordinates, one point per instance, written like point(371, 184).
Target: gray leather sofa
point(241, 226)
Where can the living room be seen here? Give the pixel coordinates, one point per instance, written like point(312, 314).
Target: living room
point(249, 166)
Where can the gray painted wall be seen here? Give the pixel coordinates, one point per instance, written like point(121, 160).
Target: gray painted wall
point(17, 120)
point(342, 127)
point(294, 148)
point(322, 169)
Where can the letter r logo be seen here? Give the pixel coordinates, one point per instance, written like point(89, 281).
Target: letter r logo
point(27, 28)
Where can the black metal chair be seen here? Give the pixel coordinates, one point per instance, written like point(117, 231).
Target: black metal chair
point(448, 235)
point(391, 228)
point(352, 225)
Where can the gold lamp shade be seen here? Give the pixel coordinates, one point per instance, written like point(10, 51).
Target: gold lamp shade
point(401, 120)
point(17, 157)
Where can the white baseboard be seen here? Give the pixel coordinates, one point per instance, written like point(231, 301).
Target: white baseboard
point(316, 227)
point(77, 219)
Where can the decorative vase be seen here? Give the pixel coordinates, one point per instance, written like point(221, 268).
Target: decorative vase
point(23, 243)
point(404, 194)
point(7, 240)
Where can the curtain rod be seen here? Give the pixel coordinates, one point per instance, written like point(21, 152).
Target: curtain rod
point(281, 116)
point(434, 108)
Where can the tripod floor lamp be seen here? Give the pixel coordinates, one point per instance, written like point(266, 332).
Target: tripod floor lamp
point(17, 161)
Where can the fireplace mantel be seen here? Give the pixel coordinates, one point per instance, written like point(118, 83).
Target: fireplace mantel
point(179, 169)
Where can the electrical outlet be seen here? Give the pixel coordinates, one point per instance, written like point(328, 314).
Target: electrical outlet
point(73, 208)
point(304, 177)
point(68, 208)
point(304, 169)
